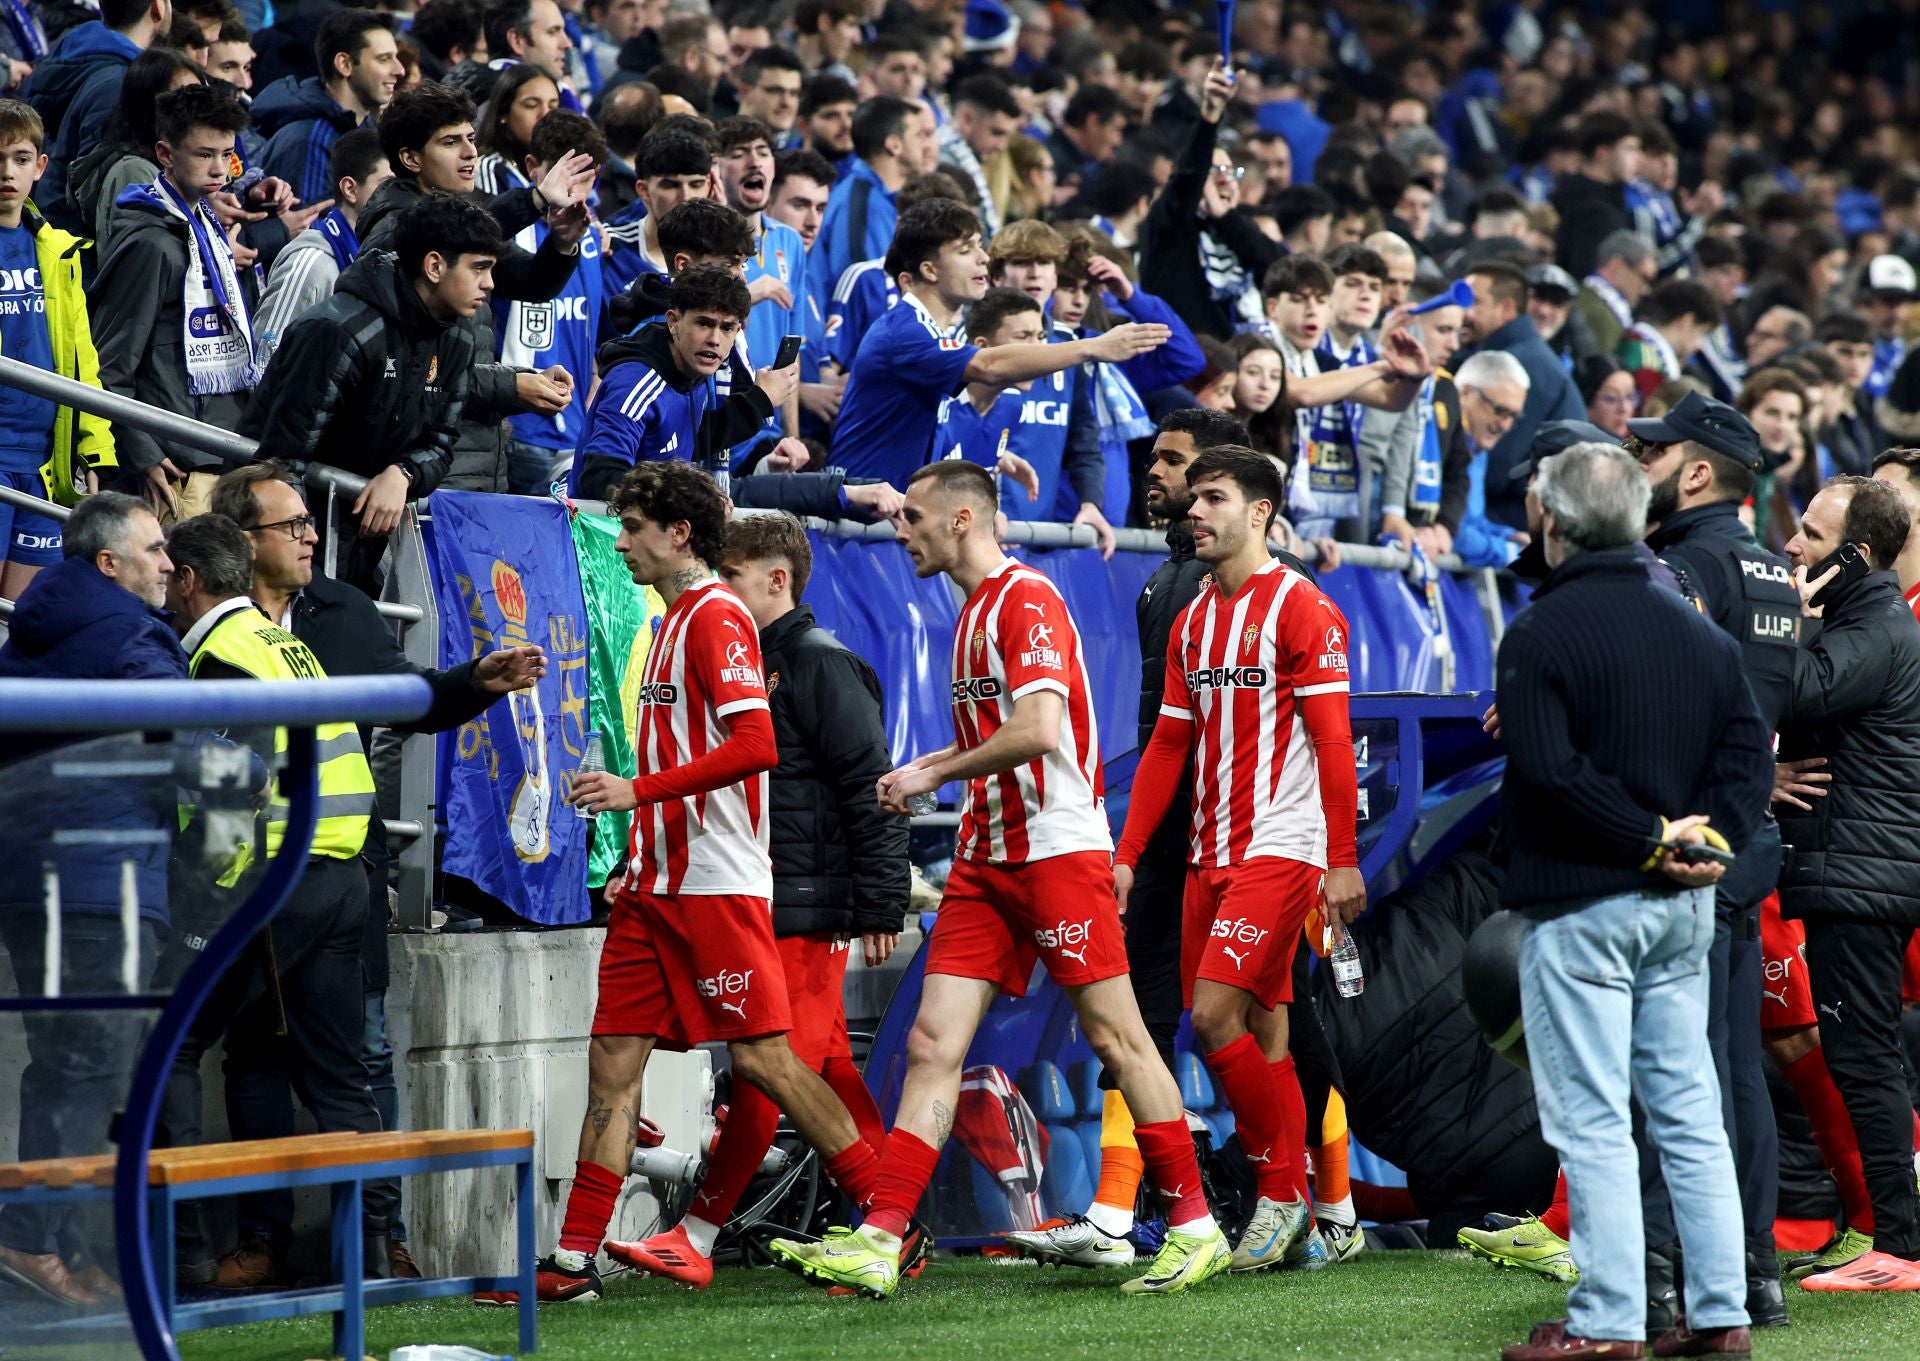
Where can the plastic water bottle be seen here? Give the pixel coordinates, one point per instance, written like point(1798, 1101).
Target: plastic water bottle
point(592, 762)
point(442, 1351)
point(922, 804)
point(1349, 979)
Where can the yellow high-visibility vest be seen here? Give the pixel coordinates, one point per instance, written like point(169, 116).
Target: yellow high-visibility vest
point(248, 641)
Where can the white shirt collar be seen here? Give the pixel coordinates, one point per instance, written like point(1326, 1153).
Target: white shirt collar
point(198, 633)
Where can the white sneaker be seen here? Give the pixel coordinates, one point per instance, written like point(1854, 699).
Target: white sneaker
point(1272, 1235)
point(1073, 1241)
point(1343, 1240)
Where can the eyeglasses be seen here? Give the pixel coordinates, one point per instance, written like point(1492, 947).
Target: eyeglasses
point(297, 528)
point(1230, 172)
point(1505, 413)
point(1613, 399)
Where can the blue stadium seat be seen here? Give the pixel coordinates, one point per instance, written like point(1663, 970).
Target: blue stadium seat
point(1196, 1083)
point(1089, 1132)
point(1084, 1079)
point(1047, 1093)
point(1068, 1184)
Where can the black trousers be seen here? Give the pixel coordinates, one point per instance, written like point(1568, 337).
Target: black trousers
point(1153, 958)
point(79, 1063)
point(316, 947)
point(1854, 967)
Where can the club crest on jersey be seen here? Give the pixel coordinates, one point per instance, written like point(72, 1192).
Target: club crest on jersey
point(1249, 636)
point(1040, 648)
point(975, 689)
point(1335, 657)
point(433, 370)
point(979, 639)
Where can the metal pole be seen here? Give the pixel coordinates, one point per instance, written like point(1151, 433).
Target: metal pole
point(162, 425)
point(33, 503)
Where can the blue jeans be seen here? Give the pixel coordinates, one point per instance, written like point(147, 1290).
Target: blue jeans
point(1615, 1001)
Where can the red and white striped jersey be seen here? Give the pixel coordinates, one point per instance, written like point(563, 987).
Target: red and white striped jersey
point(1237, 667)
point(704, 666)
point(1015, 637)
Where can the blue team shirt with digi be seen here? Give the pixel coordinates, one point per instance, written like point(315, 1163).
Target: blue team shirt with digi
point(1041, 424)
point(563, 330)
point(905, 365)
point(26, 423)
point(781, 255)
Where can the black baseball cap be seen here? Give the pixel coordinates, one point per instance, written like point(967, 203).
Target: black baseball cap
point(1556, 437)
point(1551, 279)
point(1710, 424)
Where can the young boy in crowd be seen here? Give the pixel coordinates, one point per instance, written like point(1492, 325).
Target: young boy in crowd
point(52, 452)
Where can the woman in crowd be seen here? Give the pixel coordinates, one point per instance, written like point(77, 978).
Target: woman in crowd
point(1608, 390)
point(524, 94)
point(1774, 400)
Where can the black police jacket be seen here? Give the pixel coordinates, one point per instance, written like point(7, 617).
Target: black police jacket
point(839, 863)
point(1744, 589)
point(1856, 701)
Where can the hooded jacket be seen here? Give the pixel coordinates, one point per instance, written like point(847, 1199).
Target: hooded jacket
point(1856, 701)
point(368, 379)
point(73, 91)
point(479, 460)
point(72, 623)
point(648, 409)
point(139, 331)
point(81, 442)
point(301, 122)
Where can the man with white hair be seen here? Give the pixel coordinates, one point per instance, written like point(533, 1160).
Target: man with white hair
point(1493, 388)
point(1636, 766)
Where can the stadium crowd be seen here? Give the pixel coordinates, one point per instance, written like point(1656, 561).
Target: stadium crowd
point(1411, 258)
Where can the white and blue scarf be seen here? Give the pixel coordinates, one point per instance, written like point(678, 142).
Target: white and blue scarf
point(340, 238)
point(217, 337)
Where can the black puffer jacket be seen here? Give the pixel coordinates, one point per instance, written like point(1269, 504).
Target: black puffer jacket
point(480, 454)
point(1423, 1089)
point(839, 863)
point(366, 380)
point(1856, 701)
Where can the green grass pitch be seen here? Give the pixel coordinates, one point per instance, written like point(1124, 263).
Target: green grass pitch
point(1384, 1306)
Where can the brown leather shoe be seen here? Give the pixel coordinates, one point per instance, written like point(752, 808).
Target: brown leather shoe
point(1683, 1341)
point(45, 1274)
point(251, 1266)
point(93, 1279)
point(1552, 1342)
point(403, 1266)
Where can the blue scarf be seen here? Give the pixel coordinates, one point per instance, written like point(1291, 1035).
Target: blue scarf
point(217, 340)
point(28, 35)
point(340, 239)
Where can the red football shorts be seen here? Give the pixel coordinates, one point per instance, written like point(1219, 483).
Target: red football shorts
point(996, 920)
point(1786, 999)
point(1240, 925)
point(816, 970)
point(690, 969)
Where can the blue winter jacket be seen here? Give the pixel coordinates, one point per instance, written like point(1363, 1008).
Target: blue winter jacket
point(301, 122)
point(73, 91)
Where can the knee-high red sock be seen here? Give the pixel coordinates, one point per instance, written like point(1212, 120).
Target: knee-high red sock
point(589, 1207)
point(744, 1141)
point(855, 1169)
point(1167, 1149)
point(1833, 1132)
point(1293, 1124)
point(904, 1174)
point(1242, 1072)
point(1558, 1217)
point(851, 1088)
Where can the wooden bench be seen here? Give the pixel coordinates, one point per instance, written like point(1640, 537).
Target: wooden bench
point(346, 1162)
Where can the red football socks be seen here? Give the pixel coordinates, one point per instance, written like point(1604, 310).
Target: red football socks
point(1253, 1095)
point(851, 1088)
point(1167, 1150)
point(1293, 1127)
point(1833, 1132)
point(752, 1120)
point(589, 1207)
point(855, 1169)
point(1558, 1216)
point(902, 1180)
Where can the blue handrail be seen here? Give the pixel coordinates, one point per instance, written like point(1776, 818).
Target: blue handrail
point(102, 706)
point(118, 706)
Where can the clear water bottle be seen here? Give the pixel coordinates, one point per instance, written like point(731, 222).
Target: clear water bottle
point(592, 762)
point(440, 1351)
point(922, 804)
point(1344, 953)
